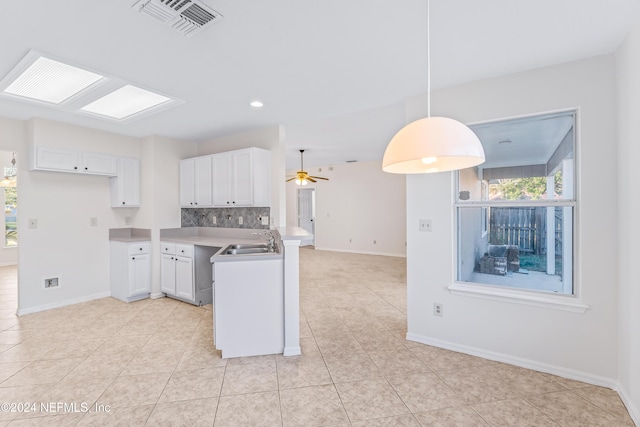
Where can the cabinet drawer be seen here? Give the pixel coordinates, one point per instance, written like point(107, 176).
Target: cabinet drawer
point(184, 250)
point(139, 248)
point(168, 248)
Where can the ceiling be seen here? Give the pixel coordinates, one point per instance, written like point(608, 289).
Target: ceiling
point(334, 73)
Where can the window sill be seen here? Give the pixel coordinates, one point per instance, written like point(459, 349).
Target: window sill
point(564, 303)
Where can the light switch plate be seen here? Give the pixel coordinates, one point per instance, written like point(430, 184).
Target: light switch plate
point(93, 221)
point(240, 220)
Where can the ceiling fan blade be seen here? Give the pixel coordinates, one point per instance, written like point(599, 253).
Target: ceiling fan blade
point(291, 179)
point(319, 177)
point(310, 179)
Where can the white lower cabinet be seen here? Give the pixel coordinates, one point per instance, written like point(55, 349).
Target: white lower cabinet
point(185, 272)
point(248, 312)
point(130, 265)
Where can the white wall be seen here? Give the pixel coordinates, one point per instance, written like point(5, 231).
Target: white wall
point(271, 138)
point(359, 202)
point(628, 67)
point(160, 191)
point(581, 345)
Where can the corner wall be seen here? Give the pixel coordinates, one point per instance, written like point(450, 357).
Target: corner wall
point(359, 204)
point(579, 345)
point(628, 68)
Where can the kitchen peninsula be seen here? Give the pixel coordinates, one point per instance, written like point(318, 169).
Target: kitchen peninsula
point(256, 295)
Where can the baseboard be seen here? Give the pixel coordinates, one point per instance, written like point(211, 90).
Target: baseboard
point(36, 309)
point(361, 252)
point(292, 351)
point(156, 295)
point(519, 361)
point(633, 410)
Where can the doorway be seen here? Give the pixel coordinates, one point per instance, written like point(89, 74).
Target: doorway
point(307, 211)
point(8, 248)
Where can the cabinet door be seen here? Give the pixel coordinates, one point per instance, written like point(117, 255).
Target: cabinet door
point(139, 274)
point(168, 274)
point(242, 178)
point(184, 278)
point(127, 183)
point(202, 181)
point(187, 183)
point(99, 164)
point(220, 176)
point(56, 159)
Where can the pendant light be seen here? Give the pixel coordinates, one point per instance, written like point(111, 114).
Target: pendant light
point(432, 144)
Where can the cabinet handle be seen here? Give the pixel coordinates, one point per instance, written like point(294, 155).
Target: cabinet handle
point(123, 203)
point(133, 257)
point(196, 203)
point(86, 168)
point(75, 168)
point(228, 202)
point(234, 202)
point(141, 249)
point(191, 203)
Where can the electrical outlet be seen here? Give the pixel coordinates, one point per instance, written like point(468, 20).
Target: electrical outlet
point(127, 220)
point(51, 283)
point(425, 225)
point(93, 221)
point(214, 220)
point(438, 309)
point(240, 220)
point(265, 220)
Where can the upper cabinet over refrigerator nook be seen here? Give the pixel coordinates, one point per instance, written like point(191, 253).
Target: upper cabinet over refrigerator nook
point(123, 172)
point(235, 178)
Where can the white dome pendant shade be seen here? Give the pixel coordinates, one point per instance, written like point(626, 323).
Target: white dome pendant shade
point(432, 144)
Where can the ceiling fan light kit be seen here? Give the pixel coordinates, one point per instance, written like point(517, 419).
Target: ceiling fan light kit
point(432, 144)
point(302, 177)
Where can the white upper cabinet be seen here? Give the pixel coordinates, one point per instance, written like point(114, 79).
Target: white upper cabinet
point(99, 164)
point(61, 160)
point(195, 182)
point(233, 178)
point(125, 186)
point(242, 178)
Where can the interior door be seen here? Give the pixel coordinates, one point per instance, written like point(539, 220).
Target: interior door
point(307, 210)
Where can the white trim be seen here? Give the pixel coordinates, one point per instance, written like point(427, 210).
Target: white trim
point(362, 252)
point(156, 295)
point(518, 361)
point(568, 303)
point(36, 309)
point(292, 351)
point(634, 412)
point(8, 263)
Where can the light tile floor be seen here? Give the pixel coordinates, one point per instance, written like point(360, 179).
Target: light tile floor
point(152, 363)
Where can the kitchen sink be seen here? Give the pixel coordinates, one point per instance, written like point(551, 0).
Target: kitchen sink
point(247, 246)
point(245, 249)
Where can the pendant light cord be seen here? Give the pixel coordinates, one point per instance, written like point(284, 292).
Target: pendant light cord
point(428, 64)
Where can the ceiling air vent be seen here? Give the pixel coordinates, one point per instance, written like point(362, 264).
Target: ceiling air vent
point(188, 17)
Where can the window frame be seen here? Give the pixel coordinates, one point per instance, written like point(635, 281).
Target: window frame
point(566, 302)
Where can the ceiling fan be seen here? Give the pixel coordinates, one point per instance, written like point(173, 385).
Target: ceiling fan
point(302, 177)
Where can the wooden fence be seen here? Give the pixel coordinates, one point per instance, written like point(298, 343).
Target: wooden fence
point(525, 227)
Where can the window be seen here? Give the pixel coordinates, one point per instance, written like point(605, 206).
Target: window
point(515, 213)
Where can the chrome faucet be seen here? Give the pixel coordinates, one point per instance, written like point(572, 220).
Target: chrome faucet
point(271, 243)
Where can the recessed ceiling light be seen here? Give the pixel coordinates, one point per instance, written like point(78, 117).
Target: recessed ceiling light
point(125, 102)
point(51, 81)
point(256, 104)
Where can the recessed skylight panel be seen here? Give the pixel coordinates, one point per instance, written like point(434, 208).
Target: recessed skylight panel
point(125, 102)
point(51, 81)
